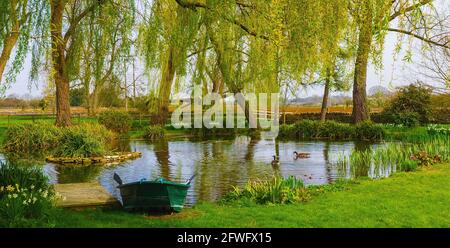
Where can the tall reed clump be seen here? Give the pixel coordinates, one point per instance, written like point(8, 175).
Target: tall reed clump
point(278, 190)
point(30, 137)
point(86, 139)
point(154, 132)
point(26, 198)
point(394, 157)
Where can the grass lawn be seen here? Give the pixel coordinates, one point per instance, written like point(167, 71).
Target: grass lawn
point(414, 199)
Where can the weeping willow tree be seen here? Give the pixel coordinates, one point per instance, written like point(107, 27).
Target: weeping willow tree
point(241, 46)
point(165, 38)
point(103, 43)
point(373, 19)
point(19, 21)
point(67, 34)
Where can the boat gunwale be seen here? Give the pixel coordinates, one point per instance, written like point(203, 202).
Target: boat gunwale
point(153, 182)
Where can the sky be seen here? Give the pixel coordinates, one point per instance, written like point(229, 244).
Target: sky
point(395, 72)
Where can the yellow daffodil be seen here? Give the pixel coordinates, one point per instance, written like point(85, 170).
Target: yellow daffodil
point(9, 188)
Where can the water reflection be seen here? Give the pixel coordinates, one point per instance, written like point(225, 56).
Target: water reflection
point(218, 164)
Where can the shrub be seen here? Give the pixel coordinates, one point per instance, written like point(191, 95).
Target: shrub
point(154, 132)
point(287, 131)
point(335, 130)
point(26, 198)
point(117, 121)
point(369, 131)
point(414, 98)
point(306, 128)
point(278, 190)
point(29, 137)
point(407, 119)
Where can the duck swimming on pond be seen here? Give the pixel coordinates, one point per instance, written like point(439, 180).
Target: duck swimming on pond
point(301, 155)
point(275, 161)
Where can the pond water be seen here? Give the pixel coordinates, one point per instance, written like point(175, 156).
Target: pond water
point(219, 164)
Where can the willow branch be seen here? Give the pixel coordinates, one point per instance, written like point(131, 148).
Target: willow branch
point(418, 37)
point(79, 18)
point(408, 9)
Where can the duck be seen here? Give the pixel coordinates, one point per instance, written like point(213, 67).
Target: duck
point(298, 155)
point(275, 161)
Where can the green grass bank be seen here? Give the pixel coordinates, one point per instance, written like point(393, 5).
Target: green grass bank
point(406, 199)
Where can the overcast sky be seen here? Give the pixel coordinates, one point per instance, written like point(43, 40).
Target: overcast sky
point(394, 72)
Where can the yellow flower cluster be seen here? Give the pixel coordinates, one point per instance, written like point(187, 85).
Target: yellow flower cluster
point(28, 196)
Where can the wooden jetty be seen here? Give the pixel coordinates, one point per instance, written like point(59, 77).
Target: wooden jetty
point(78, 195)
point(114, 158)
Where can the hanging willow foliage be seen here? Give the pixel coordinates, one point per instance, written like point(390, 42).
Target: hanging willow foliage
point(245, 44)
point(20, 20)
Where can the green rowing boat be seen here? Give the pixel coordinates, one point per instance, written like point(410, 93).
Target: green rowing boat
point(160, 194)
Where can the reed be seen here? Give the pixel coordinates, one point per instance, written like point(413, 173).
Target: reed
point(392, 157)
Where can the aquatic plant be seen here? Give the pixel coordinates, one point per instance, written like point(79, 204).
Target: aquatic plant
point(85, 139)
point(278, 190)
point(76, 143)
point(29, 137)
point(393, 157)
point(154, 132)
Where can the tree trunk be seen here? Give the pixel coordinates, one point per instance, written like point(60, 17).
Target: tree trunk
point(8, 46)
point(59, 64)
point(326, 92)
point(94, 100)
point(10, 39)
point(360, 108)
point(164, 90)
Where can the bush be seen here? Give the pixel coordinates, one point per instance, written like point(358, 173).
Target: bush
point(407, 119)
point(287, 131)
point(414, 98)
point(29, 137)
point(278, 190)
point(307, 129)
point(154, 132)
point(369, 131)
point(117, 121)
point(26, 198)
point(335, 130)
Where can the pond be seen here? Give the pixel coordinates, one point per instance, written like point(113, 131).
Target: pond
point(218, 164)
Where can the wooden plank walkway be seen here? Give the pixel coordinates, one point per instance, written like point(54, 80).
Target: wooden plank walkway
point(84, 195)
